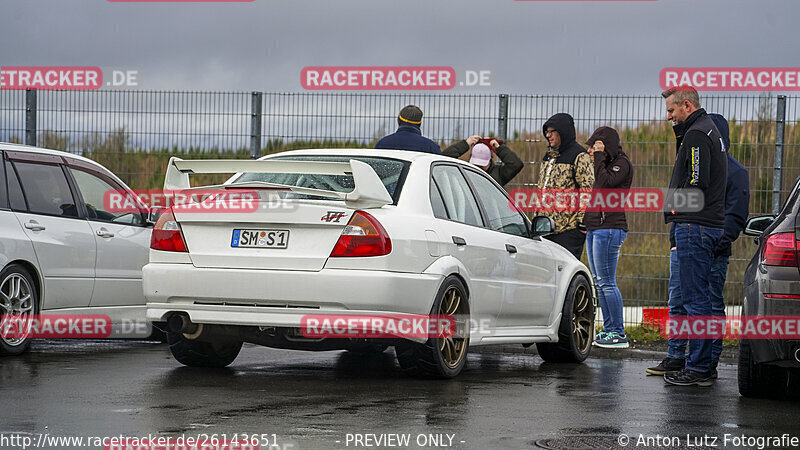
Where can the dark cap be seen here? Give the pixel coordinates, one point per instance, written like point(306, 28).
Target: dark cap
point(410, 114)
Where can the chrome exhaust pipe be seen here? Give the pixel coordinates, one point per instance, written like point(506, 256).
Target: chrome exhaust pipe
point(180, 323)
point(797, 354)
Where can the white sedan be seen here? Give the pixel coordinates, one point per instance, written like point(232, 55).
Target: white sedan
point(381, 235)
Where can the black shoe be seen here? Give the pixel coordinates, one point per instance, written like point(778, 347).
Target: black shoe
point(688, 377)
point(714, 374)
point(666, 366)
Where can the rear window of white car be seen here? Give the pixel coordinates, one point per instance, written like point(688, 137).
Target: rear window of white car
point(392, 173)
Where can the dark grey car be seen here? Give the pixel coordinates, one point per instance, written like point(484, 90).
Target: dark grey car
point(772, 288)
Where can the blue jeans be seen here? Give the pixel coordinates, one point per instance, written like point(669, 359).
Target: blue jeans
point(695, 255)
point(716, 282)
point(603, 251)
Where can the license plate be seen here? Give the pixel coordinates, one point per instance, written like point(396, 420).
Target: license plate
point(260, 238)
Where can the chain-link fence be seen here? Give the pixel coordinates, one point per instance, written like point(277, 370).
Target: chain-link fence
point(134, 133)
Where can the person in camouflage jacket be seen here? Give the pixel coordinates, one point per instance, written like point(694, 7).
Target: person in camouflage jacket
point(565, 165)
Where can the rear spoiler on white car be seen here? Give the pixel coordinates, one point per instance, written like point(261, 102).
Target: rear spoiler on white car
point(369, 191)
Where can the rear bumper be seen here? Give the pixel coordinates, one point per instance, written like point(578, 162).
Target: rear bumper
point(281, 298)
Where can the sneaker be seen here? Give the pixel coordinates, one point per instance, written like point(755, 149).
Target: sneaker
point(600, 335)
point(688, 377)
point(666, 366)
point(612, 340)
point(714, 373)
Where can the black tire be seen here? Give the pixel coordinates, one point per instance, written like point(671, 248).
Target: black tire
point(759, 380)
point(158, 333)
point(202, 354)
point(19, 296)
point(576, 330)
point(440, 357)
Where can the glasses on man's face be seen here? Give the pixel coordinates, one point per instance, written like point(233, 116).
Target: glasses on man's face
point(549, 132)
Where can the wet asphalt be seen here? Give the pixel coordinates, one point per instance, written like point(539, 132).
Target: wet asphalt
point(305, 400)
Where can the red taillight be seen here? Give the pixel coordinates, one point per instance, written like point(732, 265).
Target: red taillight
point(780, 250)
point(167, 234)
point(363, 236)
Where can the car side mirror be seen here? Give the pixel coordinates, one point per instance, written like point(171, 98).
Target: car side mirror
point(757, 225)
point(542, 226)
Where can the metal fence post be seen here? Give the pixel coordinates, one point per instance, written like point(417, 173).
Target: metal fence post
point(30, 117)
point(255, 125)
point(777, 174)
point(502, 118)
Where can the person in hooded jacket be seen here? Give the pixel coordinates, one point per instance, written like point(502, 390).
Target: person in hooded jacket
point(607, 231)
point(510, 164)
point(565, 165)
point(409, 136)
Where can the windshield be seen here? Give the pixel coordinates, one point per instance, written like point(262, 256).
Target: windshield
point(390, 171)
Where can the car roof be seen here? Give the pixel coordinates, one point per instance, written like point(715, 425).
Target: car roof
point(29, 149)
point(405, 155)
point(7, 146)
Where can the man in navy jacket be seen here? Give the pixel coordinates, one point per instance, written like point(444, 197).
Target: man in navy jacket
point(409, 136)
point(737, 204)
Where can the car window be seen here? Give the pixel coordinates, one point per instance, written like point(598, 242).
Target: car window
point(437, 203)
point(3, 186)
point(94, 191)
point(46, 189)
point(390, 171)
point(16, 198)
point(456, 195)
point(502, 217)
point(792, 198)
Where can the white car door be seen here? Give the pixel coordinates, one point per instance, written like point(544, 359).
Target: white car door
point(122, 237)
point(527, 269)
point(63, 241)
point(462, 235)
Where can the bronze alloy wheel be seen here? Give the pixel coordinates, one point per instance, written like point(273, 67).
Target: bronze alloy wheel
point(441, 356)
point(454, 347)
point(576, 325)
point(582, 318)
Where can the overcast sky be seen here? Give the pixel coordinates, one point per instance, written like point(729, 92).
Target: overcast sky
point(531, 47)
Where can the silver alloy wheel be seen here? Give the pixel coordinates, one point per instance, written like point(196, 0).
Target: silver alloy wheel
point(16, 303)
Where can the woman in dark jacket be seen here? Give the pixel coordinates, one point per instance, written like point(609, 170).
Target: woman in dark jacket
point(607, 231)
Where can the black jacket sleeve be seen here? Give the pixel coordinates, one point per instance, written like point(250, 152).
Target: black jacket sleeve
point(456, 150)
point(698, 159)
point(737, 200)
point(512, 165)
point(607, 176)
